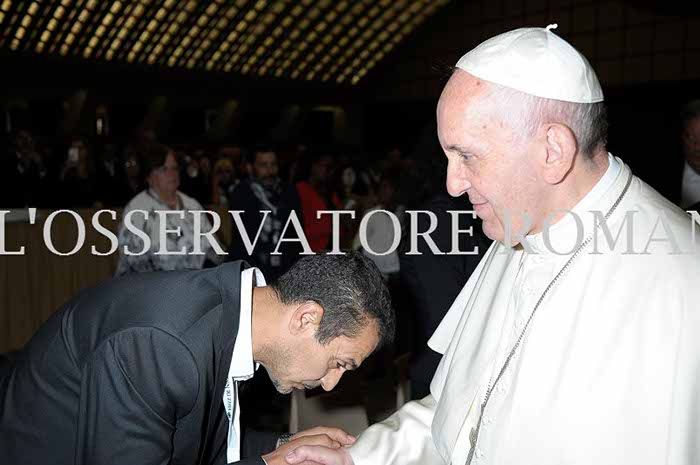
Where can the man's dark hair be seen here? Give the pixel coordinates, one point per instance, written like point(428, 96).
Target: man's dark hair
point(350, 289)
point(263, 147)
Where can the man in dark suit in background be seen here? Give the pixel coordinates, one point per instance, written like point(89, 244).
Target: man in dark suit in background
point(144, 369)
point(433, 281)
point(265, 191)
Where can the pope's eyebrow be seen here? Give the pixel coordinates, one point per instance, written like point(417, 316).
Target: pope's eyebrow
point(456, 148)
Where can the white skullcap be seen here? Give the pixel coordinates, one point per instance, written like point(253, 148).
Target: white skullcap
point(536, 61)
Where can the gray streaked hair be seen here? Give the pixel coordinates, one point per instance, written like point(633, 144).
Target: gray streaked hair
point(526, 113)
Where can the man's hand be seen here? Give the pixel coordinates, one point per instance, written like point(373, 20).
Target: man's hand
point(327, 438)
point(336, 434)
point(312, 454)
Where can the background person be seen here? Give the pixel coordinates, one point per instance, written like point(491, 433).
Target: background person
point(159, 164)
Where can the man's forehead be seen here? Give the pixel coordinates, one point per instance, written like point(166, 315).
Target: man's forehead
point(365, 342)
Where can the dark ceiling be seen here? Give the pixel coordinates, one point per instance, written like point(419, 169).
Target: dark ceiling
point(322, 41)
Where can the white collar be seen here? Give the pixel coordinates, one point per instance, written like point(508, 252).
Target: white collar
point(242, 365)
point(563, 234)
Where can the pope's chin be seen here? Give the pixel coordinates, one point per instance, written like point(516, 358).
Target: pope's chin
point(490, 224)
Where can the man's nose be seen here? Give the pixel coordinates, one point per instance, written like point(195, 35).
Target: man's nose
point(331, 379)
point(457, 182)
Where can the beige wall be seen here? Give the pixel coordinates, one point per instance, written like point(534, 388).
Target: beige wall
point(34, 285)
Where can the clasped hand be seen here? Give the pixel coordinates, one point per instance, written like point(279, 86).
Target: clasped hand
point(320, 445)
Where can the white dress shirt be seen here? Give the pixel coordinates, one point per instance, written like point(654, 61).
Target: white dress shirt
point(242, 365)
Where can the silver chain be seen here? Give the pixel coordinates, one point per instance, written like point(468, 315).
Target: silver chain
point(474, 434)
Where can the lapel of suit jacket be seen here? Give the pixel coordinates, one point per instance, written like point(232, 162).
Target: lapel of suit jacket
point(229, 276)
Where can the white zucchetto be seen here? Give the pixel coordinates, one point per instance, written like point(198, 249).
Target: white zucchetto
point(535, 61)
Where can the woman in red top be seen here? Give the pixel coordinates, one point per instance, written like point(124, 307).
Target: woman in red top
point(316, 195)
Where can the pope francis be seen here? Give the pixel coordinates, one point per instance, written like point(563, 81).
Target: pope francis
point(577, 339)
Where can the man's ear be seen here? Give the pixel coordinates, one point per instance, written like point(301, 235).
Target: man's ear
point(560, 147)
point(307, 316)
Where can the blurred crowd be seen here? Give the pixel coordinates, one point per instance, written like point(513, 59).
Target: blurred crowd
point(101, 173)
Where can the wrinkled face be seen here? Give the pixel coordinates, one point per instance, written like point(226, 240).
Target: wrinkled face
point(485, 159)
point(691, 143)
point(265, 167)
point(165, 179)
point(306, 364)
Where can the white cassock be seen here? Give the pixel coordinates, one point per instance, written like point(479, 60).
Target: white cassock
point(608, 371)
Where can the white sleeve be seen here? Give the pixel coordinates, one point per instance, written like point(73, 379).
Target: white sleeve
point(403, 439)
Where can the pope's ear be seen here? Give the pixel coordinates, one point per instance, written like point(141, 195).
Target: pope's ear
point(306, 317)
point(561, 147)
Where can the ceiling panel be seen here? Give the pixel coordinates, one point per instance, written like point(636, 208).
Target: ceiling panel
point(336, 41)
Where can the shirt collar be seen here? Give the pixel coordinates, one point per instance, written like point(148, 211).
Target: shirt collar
point(242, 365)
point(562, 236)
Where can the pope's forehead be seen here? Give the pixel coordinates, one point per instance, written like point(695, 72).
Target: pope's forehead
point(461, 92)
point(464, 96)
point(465, 85)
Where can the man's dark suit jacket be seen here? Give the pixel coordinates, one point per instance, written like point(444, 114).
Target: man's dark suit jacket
point(432, 282)
point(131, 371)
